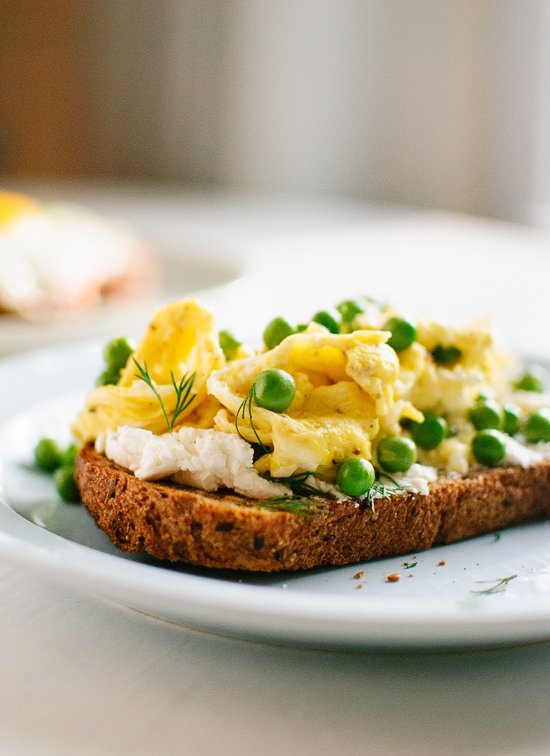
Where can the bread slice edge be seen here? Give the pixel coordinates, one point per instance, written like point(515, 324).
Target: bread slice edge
point(228, 531)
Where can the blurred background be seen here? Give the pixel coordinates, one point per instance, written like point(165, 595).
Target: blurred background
point(408, 140)
point(425, 103)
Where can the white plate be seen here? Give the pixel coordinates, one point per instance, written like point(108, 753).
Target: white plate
point(436, 606)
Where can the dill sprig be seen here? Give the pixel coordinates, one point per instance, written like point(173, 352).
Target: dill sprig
point(182, 389)
point(381, 490)
point(305, 507)
point(299, 486)
point(245, 408)
point(500, 585)
point(310, 504)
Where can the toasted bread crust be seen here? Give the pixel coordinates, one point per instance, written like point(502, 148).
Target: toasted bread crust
point(227, 531)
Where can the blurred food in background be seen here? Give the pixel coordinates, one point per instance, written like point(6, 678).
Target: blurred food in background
point(58, 258)
point(428, 104)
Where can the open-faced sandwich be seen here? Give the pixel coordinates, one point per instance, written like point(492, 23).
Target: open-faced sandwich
point(57, 258)
point(356, 435)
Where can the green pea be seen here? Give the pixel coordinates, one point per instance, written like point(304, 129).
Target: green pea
point(531, 382)
point(229, 344)
point(537, 427)
point(48, 455)
point(403, 333)
point(489, 447)
point(349, 309)
point(274, 390)
point(116, 353)
point(65, 484)
point(108, 377)
point(446, 355)
point(396, 453)
point(485, 414)
point(510, 419)
point(276, 331)
point(69, 454)
point(355, 476)
point(430, 433)
point(328, 320)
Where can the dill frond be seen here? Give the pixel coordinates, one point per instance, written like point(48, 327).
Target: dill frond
point(183, 391)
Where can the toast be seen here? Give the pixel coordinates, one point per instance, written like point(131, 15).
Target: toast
point(228, 531)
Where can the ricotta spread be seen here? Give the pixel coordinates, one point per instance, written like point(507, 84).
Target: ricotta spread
point(206, 459)
point(524, 455)
point(416, 479)
point(210, 459)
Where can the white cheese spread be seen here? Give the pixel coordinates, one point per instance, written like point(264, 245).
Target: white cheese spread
point(210, 459)
point(523, 455)
point(205, 459)
point(416, 479)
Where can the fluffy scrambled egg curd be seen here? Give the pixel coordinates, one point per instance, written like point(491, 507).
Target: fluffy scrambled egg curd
point(370, 392)
point(345, 394)
point(180, 339)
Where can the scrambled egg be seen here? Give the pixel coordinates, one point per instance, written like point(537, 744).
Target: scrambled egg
point(450, 391)
point(180, 339)
point(344, 393)
point(352, 389)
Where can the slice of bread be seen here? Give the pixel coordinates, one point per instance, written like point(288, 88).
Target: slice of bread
point(228, 531)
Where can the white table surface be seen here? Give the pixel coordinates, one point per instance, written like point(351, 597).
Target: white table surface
point(80, 675)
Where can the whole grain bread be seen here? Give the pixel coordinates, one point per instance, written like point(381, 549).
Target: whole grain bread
point(228, 531)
